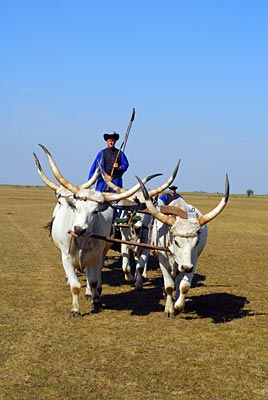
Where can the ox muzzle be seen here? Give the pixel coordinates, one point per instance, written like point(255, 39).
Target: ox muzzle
point(186, 269)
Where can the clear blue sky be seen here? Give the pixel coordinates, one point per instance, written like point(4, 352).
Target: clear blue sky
point(195, 71)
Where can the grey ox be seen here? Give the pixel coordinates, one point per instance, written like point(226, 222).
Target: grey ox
point(182, 229)
point(80, 212)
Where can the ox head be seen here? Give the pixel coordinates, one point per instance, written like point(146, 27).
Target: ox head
point(187, 226)
point(86, 205)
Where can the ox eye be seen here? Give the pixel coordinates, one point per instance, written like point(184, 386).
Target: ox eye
point(95, 212)
point(177, 244)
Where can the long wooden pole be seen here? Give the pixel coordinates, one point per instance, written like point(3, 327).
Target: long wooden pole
point(123, 145)
point(145, 245)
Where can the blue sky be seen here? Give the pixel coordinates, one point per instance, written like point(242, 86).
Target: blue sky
point(195, 71)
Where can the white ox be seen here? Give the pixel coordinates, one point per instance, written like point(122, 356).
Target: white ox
point(79, 213)
point(182, 229)
point(135, 227)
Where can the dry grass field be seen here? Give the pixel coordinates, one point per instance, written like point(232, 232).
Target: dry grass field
point(216, 349)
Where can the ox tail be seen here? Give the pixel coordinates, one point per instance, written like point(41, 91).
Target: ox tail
point(48, 226)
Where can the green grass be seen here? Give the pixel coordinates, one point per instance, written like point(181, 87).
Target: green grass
point(216, 349)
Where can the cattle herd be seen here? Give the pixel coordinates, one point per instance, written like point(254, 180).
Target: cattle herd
point(83, 218)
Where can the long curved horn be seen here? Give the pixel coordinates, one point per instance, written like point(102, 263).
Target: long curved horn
point(91, 181)
point(110, 197)
point(68, 185)
point(204, 219)
point(166, 219)
point(160, 189)
point(117, 189)
point(44, 178)
point(151, 192)
point(109, 183)
point(126, 193)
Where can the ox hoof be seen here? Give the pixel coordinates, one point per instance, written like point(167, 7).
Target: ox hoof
point(179, 310)
point(74, 314)
point(169, 314)
point(129, 278)
point(96, 308)
point(138, 288)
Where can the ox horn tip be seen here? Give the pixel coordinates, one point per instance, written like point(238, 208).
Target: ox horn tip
point(44, 148)
point(227, 188)
point(37, 162)
point(152, 176)
point(143, 188)
point(176, 168)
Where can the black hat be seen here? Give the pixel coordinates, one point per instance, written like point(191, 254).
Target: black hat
point(113, 136)
point(173, 187)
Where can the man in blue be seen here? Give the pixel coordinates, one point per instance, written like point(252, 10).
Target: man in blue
point(114, 163)
point(172, 195)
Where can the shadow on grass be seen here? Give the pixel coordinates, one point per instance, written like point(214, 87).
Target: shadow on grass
point(220, 307)
point(197, 280)
point(138, 303)
point(113, 274)
point(141, 302)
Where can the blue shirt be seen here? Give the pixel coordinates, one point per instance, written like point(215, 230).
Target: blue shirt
point(108, 158)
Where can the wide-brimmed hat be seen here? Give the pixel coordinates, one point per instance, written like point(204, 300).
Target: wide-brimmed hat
point(113, 136)
point(173, 187)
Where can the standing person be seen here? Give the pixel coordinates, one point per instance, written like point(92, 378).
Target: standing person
point(114, 163)
point(172, 195)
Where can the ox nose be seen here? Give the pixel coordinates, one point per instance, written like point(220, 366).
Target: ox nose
point(79, 231)
point(186, 269)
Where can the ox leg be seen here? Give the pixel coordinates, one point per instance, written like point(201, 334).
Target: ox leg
point(168, 284)
point(140, 267)
point(88, 293)
point(75, 287)
point(183, 284)
point(94, 287)
point(126, 254)
point(144, 274)
point(145, 252)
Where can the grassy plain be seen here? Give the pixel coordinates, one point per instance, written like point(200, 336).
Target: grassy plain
point(216, 349)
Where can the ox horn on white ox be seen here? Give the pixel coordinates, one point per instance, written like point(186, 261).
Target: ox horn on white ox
point(42, 175)
point(106, 197)
point(170, 219)
point(118, 189)
point(151, 192)
point(60, 178)
point(55, 186)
